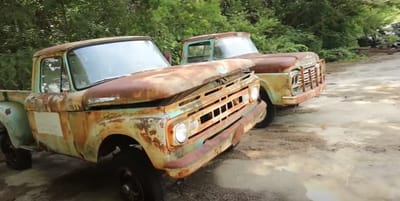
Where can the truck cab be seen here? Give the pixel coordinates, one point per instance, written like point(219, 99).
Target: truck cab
point(287, 79)
point(119, 96)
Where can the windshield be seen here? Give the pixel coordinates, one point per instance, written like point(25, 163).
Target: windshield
point(98, 63)
point(234, 46)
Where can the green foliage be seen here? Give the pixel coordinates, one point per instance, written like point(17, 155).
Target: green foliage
point(330, 27)
point(390, 39)
point(171, 21)
point(339, 54)
point(15, 69)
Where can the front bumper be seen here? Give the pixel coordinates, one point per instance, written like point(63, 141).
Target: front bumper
point(295, 100)
point(194, 160)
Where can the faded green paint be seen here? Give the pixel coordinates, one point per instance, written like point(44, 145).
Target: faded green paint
point(13, 118)
point(272, 69)
point(277, 85)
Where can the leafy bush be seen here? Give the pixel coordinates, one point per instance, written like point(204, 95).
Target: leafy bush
point(15, 69)
point(338, 54)
point(390, 40)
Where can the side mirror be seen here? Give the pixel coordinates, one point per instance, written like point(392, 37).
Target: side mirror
point(168, 56)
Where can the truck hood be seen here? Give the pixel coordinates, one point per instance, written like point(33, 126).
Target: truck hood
point(160, 83)
point(278, 63)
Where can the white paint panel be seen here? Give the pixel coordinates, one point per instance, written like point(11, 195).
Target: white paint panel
point(48, 123)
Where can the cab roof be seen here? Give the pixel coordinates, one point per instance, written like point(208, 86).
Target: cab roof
point(72, 45)
point(215, 35)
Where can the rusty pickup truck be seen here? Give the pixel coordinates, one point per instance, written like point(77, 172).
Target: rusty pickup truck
point(120, 97)
point(286, 78)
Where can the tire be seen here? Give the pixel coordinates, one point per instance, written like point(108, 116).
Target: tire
point(18, 159)
point(138, 179)
point(271, 111)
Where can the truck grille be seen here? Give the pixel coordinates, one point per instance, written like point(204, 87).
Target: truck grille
point(218, 103)
point(219, 110)
point(309, 78)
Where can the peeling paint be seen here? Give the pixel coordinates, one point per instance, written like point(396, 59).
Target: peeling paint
point(145, 106)
point(274, 70)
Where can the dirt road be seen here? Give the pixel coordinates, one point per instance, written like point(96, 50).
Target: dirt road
point(341, 146)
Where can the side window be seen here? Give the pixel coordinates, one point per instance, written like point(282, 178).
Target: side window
point(199, 52)
point(54, 78)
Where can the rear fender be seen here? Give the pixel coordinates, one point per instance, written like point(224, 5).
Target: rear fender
point(14, 121)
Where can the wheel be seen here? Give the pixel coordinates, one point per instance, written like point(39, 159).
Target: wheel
point(139, 180)
point(271, 111)
point(18, 159)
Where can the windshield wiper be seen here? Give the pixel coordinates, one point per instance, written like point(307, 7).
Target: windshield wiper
point(108, 79)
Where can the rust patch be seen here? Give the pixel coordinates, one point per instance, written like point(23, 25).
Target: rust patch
point(215, 35)
point(267, 64)
point(152, 132)
point(149, 85)
point(150, 136)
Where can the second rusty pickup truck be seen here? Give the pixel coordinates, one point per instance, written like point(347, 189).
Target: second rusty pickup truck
point(286, 78)
point(119, 96)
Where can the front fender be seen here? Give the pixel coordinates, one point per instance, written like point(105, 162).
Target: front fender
point(147, 131)
point(14, 120)
point(276, 85)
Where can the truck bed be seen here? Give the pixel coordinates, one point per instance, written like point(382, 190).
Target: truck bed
point(14, 95)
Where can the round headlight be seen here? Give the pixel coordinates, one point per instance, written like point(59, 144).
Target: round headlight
point(180, 132)
point(254, 93)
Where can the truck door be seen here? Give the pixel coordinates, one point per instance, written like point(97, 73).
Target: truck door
point(49, 109)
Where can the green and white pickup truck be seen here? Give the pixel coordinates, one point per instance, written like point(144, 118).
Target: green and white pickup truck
point(119, 96)
point(286, 78)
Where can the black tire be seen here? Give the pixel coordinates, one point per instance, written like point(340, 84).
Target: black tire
point(271, 111)
point(139, 180)
point(18, 159)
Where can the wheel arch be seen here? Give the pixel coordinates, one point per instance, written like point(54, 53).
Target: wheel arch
point(266, 92)
point(109, 143)
point(123, 141)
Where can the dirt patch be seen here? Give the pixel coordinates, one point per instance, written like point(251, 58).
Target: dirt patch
point(371, 59)
point(202, 187)
point(278, 141)
point(13, 192)
point(86, 182)
point(2, 158)
point(210, 191)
